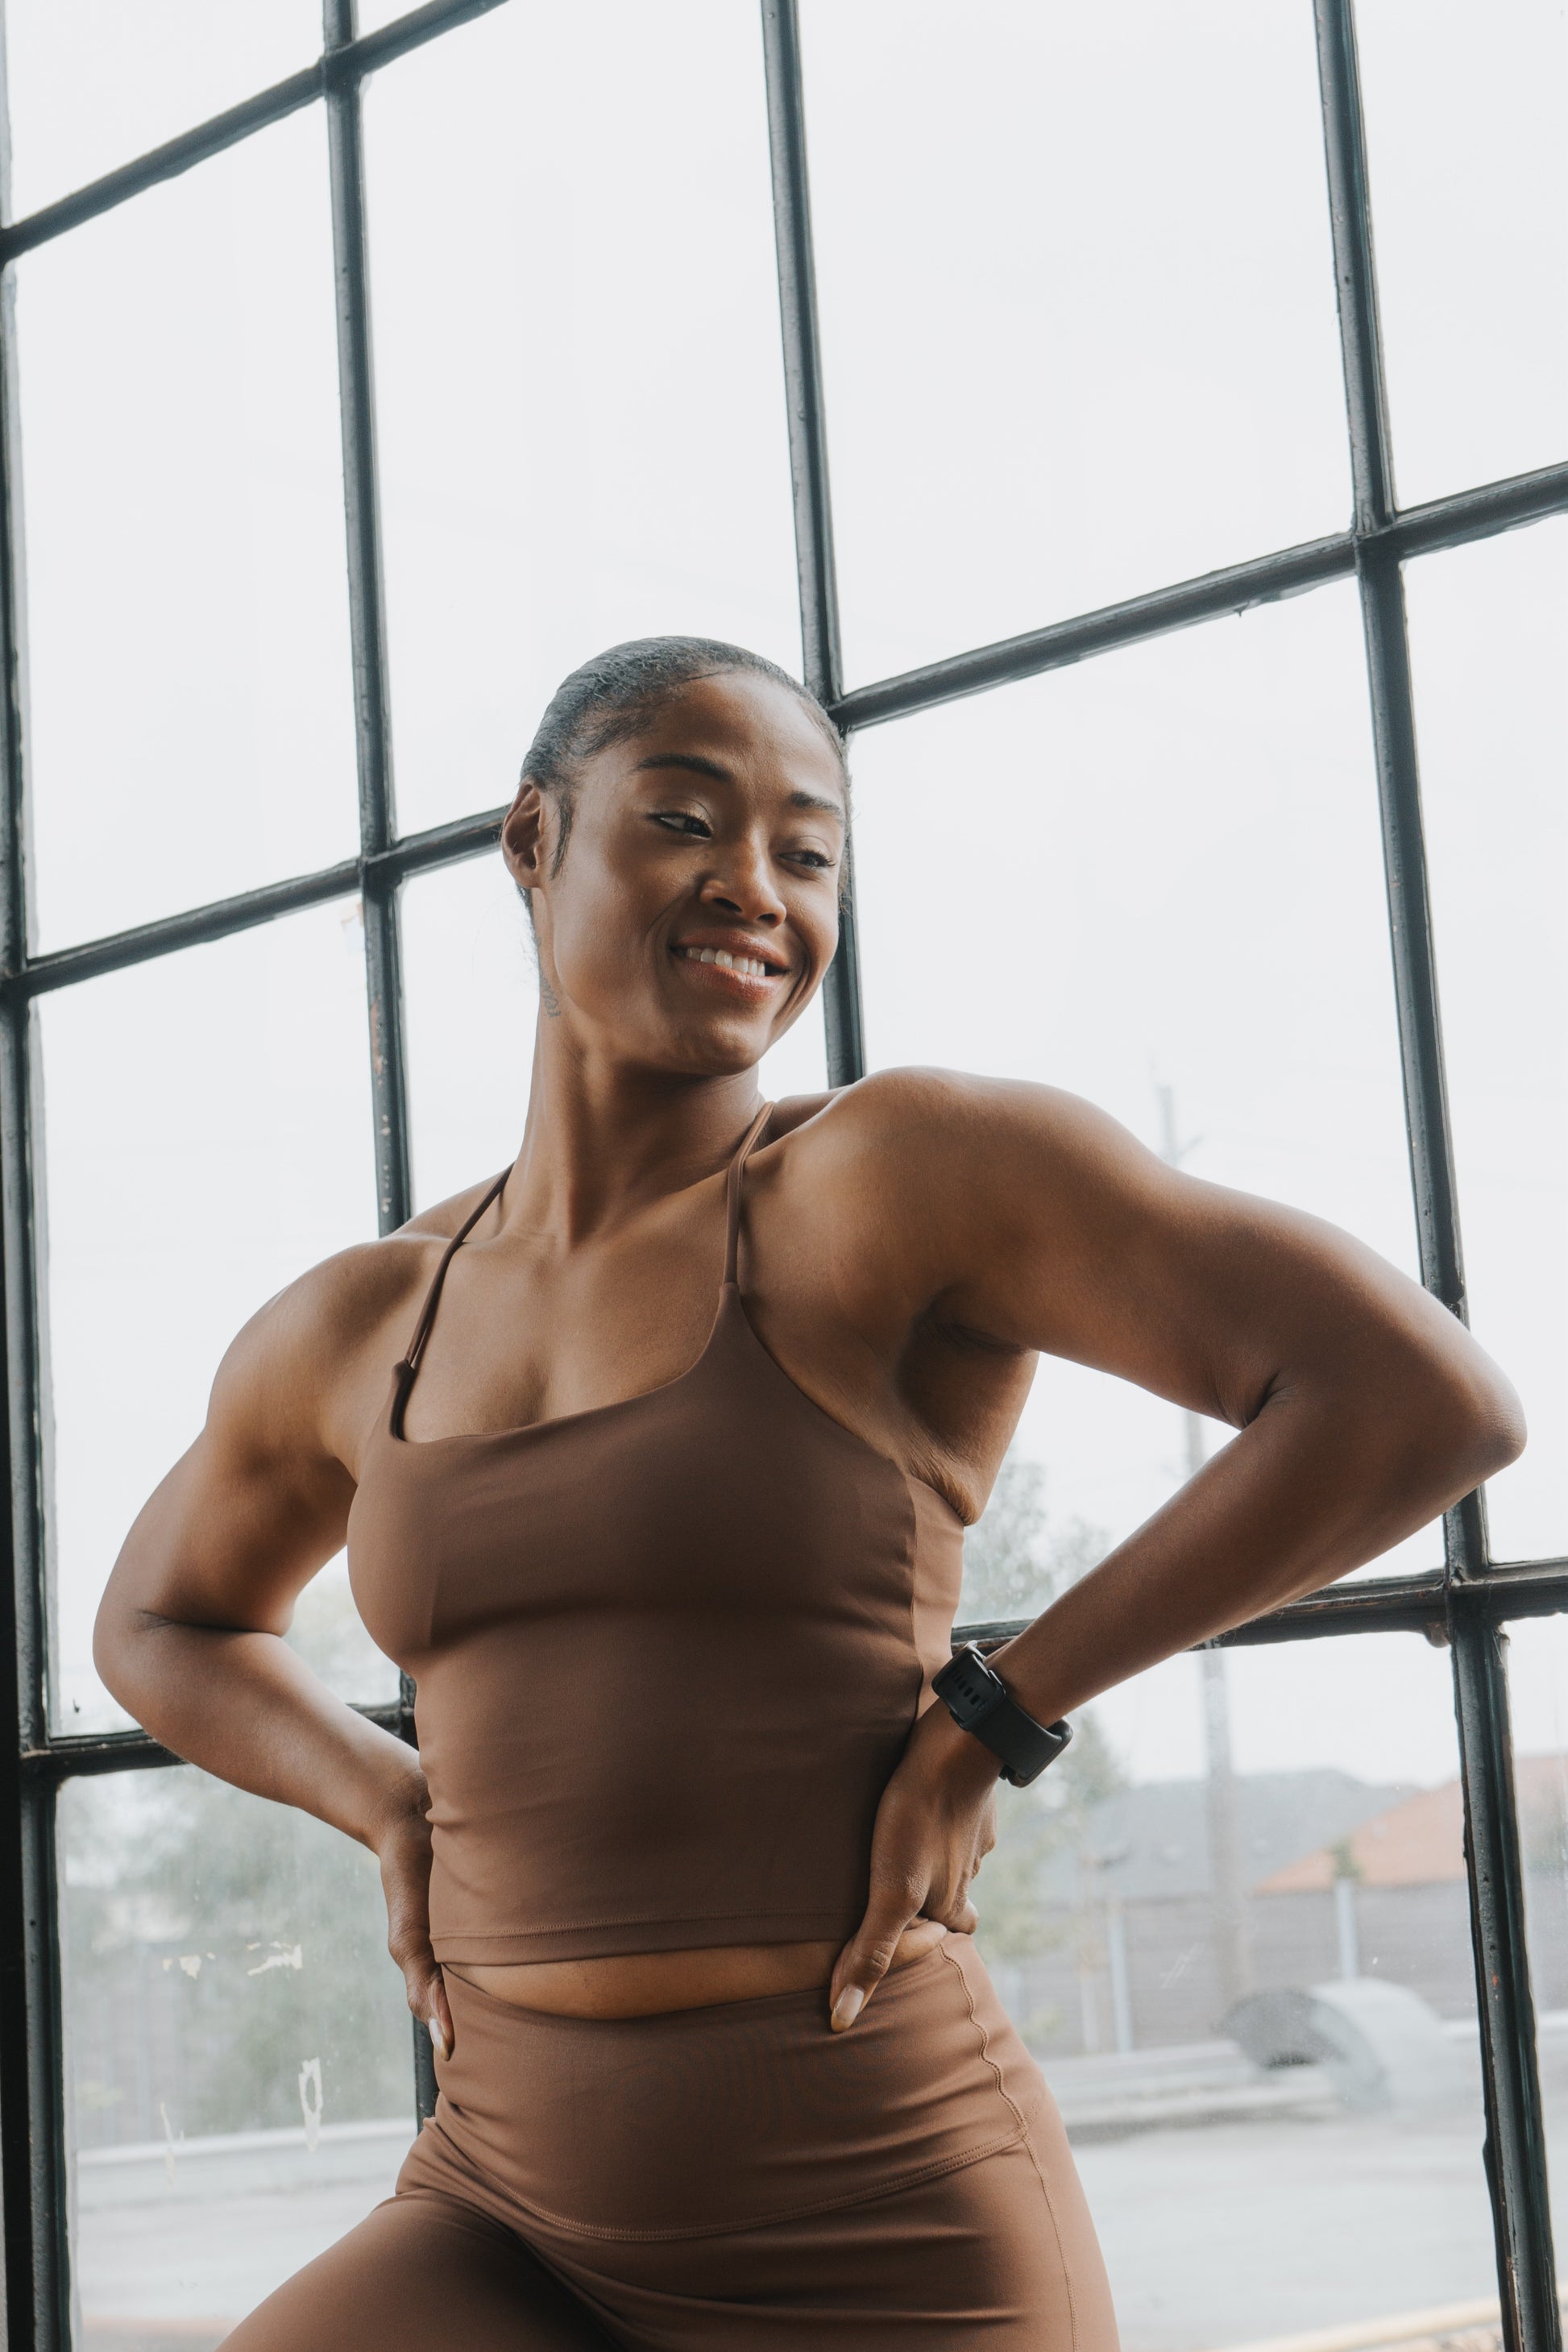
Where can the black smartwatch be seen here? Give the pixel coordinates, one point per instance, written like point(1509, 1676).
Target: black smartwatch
point(979, 1701)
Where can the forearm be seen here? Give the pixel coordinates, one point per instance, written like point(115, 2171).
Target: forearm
point(1313, 1487)
point(246, 1707)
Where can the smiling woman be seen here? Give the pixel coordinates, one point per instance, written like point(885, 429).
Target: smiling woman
point(671, 728)
point(653, 1454)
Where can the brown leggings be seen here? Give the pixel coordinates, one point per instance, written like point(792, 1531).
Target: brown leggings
point(730, 2179)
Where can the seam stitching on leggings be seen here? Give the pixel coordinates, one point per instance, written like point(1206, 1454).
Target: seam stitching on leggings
point(766, 2220)
point(1023, 2135)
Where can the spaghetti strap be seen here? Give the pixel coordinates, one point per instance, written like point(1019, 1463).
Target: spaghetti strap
point(732, 1192)
point(406, 1370)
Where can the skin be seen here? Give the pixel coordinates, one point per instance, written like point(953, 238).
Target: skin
point(911, 1245)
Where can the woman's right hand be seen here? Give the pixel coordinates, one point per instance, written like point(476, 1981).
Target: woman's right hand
point(404, 1853)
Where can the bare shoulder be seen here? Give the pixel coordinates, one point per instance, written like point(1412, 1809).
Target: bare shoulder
point(919, 1128)
point(309, 1365)
point(935, 1200)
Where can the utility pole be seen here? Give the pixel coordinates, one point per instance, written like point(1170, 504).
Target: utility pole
point(1232, 1927)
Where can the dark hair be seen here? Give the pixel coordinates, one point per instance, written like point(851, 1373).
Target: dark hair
point(613, 696)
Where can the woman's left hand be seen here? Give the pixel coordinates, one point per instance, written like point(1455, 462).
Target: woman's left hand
point(935, 1823)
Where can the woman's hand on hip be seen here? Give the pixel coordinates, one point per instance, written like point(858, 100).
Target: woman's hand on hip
point(403, 1851)
point(935, 1824)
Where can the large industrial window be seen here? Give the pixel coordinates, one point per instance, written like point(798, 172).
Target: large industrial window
point(1079, 306)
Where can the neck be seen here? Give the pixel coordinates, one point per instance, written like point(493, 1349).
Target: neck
point(604, 1140)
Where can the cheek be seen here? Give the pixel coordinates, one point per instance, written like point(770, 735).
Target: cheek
point(592, 943)
point(818, 928)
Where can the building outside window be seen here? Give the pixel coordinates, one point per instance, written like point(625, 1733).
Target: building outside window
point(1190, 573)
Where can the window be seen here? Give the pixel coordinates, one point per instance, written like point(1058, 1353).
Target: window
point(1258, 764)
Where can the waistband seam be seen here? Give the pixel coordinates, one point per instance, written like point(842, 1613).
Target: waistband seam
point(601, 2232)
point(641, 1919)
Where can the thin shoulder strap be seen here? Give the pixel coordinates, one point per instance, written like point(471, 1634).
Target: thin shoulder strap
point(732, 1192)
point(407, 1368)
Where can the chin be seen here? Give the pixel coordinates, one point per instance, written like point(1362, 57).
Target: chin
point(718, 1053)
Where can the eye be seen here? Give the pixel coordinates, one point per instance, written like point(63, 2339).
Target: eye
point(812, 857)
point(684, 821)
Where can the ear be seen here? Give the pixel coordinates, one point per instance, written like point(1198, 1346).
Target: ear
point(522, 836)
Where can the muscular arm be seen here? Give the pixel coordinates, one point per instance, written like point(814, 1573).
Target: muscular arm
point(1364, 1408)
point(189, 1635)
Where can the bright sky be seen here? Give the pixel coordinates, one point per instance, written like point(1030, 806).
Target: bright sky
point(1064, 364)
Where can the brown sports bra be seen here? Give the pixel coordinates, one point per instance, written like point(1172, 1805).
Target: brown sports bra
point(668, 1651)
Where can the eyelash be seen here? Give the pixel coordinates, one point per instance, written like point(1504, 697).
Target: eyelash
point(697, 828)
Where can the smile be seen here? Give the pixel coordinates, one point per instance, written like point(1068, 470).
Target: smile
point(744, 967)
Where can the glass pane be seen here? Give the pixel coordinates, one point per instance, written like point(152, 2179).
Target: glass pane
point(1155, 879)
point(205, 1136)
point(1469, 193)
point(1538, 1691)
point(580, 397)
point(797, 1064)
point(471, 985)
point(238, 2052)
point(189, 654)
point(1488, 626)
point(92, 84)
point(1064, 362)
point(1232, 1924)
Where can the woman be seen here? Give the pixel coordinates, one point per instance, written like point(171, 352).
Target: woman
point(653, 1456)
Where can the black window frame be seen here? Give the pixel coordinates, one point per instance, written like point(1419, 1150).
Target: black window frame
point(1465, 1606)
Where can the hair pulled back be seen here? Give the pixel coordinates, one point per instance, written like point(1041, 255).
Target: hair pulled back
point(613, 696)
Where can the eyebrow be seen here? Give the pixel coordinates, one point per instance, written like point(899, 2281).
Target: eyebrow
point(696, 765)
point(691, 760)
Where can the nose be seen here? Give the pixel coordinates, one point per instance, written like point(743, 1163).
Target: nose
point(744, 887)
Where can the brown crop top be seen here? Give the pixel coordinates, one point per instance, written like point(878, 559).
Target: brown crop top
point(668, 1651)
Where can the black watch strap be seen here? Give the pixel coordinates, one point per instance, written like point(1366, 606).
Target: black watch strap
point(979, 1701)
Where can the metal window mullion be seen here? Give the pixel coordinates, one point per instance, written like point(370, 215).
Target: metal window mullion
point(380, 882)
point(367, 622)
point(1515, 2149)
point(842, 1006)
point(221, 131)
point(1515, 2136)
point(32, 2076)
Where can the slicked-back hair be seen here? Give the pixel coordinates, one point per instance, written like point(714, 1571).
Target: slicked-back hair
point(613, 696)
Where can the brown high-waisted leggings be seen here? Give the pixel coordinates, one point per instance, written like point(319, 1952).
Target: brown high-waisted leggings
point(730, 2179)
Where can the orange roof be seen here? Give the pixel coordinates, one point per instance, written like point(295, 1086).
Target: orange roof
point(1420, 1843)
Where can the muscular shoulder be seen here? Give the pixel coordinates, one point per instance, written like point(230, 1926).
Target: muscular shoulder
point(919, 1133)
point(924, 1181)
point(312, 1364)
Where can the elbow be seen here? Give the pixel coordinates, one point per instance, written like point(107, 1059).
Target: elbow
point(118, 1631)
point(110, 1643)
point(1467, 1421)
point(1498, 1430)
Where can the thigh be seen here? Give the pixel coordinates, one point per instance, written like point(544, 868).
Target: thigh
point(422, 2272)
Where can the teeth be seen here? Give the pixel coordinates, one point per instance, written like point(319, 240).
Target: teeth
point(752, 966)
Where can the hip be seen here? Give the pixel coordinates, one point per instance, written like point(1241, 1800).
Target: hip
point(737, 2175)
point(715, 2118)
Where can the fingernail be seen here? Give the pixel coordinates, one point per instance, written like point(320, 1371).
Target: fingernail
point(847, 2008)
point(436, 2036)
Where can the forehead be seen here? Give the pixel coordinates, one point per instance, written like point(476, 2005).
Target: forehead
point(758, 732)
